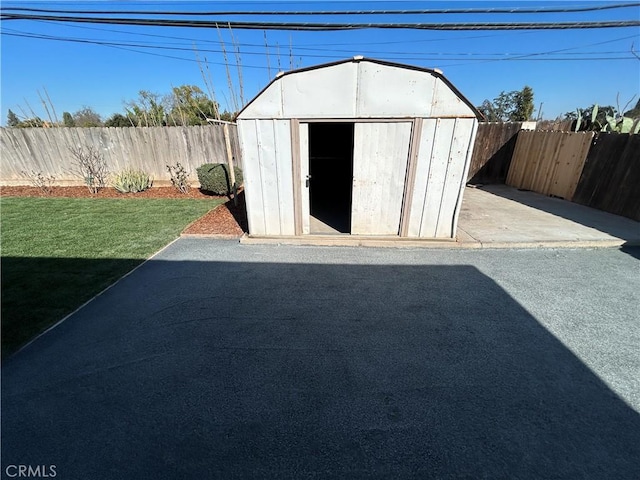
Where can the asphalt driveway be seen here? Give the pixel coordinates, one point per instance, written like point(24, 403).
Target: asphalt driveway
point(220, 360)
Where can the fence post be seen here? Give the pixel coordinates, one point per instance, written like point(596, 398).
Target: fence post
point(227, 142)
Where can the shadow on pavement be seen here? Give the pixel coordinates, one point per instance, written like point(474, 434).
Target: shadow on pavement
point(275, 370)
point(633, 250)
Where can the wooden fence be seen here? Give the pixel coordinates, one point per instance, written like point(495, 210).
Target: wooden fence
point(610, 179)
point(549, 162)
point(492, 152)
point(151, 149)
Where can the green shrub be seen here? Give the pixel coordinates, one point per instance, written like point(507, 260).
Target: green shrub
point(215, 178)
point(131, 181)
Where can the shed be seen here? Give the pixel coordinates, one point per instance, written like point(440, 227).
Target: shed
point(356, 147)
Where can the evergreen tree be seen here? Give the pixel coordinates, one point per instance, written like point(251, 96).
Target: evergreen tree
point(67, 120)
point(514, 106)
point(117, 120)
point(523, 105)
point(12, 119)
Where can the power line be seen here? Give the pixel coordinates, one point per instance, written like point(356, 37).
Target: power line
point(306, 48)
point(18, 33)
point(312, 26)
point(390, 42)
point(383, 55)
point(444, 11)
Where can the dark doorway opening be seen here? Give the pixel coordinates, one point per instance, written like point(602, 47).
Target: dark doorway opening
point(331, 171)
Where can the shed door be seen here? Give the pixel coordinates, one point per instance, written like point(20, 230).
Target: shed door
point(304, 177)
point(381, 152)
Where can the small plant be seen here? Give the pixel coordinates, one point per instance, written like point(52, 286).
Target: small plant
point(215, 178)
point(131, 181)
point(38, 179)
point(179, 177)
point(91, 166)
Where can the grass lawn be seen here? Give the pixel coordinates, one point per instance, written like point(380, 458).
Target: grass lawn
point(57, 253)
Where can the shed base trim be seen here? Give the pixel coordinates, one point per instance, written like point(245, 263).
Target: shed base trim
point(350, 240)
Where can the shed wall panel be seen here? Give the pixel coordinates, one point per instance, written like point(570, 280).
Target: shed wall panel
point(268, 105)
point(463, 130)
point(358, 90)
point(247, 132)
point(423, 165)
point(446, 103)
point(267, 176)
point(282, 136)
point(380, 157)
point(438, 158)
point(410, 95)
point(465, 175)
point(327, 92)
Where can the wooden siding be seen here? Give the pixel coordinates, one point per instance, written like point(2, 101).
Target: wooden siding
point(150, 149)
point(381, 151)
point(439, 178)
point(492, 153)
point(611, 175)
point(549, 162)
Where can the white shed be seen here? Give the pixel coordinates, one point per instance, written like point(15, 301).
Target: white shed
point(357, 147)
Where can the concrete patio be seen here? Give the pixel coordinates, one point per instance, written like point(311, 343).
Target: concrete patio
point(499, 216)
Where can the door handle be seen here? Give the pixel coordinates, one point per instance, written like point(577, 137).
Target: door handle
point(307, 181)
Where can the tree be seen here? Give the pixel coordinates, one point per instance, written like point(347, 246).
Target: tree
point(87, 117)
point(118, 120)
point(523, 108)
point(514, 106)
point(34, 122)
point(500, 109)
point(149, 110)
point(191, 106)
point(67, 120)
point(633, 113)
point(228, 116)
point(185, 105)
point(12, 119)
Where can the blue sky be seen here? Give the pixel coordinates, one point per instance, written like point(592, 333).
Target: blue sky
point(593, 66)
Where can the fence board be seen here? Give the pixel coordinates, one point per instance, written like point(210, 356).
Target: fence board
point(492, 152)
point(611, 175)
point(549, 162)
point(150, 149)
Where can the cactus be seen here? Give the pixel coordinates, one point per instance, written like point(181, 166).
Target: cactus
point(621, 125)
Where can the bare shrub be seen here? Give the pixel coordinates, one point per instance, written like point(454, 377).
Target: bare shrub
point(40, 180)
point(91, 166)
point(179, 177)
